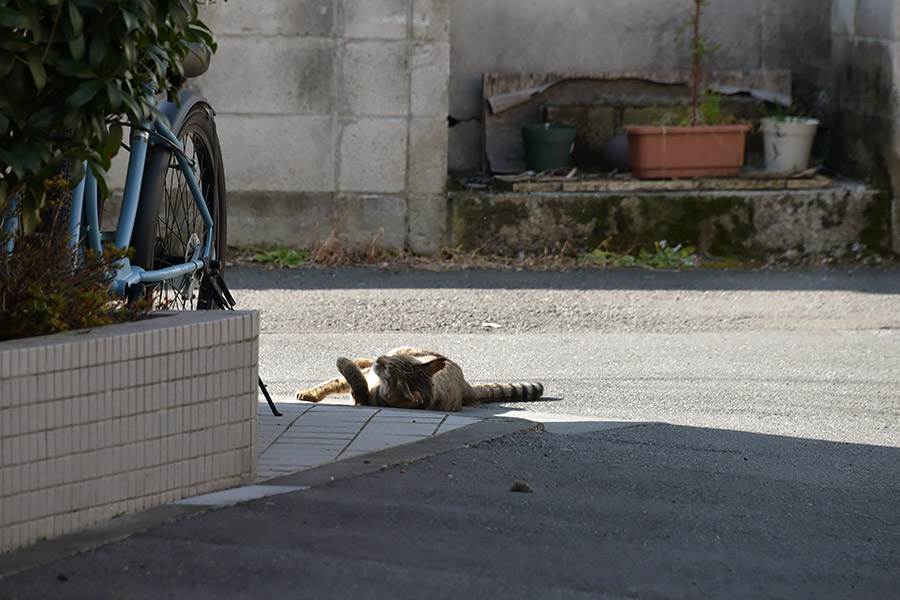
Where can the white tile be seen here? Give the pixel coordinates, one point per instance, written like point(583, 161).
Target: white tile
point(107, 354)
point(33, 358)
point(6, 364)
point(43, 392)
point(6, 393)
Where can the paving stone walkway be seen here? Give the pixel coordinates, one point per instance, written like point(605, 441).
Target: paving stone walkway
point(308, 435)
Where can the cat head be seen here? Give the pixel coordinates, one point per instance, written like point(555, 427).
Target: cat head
point(407, 379)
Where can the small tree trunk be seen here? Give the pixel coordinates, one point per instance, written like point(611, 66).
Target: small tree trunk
point(696, 65)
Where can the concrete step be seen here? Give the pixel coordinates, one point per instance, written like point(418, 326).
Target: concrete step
point(742, 218)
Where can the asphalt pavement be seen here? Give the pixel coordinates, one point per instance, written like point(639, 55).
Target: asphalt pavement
point(713, 434)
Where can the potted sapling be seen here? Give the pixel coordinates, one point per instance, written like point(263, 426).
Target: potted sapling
point(705, 144)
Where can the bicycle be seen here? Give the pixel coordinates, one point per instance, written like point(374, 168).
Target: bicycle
point(173, 211)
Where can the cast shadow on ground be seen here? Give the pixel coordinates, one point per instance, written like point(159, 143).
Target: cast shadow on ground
point(873, 280)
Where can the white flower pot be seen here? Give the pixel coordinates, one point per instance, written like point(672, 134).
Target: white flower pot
point(788, 143)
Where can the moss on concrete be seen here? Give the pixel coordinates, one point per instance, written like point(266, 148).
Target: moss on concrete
point(476, 219)
point(715, 224)
point(876, 235)
point(729, 224)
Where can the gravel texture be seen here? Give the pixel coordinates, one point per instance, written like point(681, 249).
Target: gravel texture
point(610, 301)
point(804, 352)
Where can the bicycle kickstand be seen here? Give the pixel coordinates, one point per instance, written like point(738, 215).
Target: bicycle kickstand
point(213, 284)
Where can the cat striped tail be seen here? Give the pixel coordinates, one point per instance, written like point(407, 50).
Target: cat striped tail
point(508, 392)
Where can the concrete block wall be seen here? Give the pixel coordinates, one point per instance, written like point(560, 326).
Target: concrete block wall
point(333, 119)
point(122, 418)
point(866, 88)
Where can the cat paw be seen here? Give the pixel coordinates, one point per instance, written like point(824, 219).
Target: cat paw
point(345, 364)
point(305, 396)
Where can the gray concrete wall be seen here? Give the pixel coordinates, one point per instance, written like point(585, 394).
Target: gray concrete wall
point(597, 36)
point(332, 116)
point(333, 113)
point(866, 84)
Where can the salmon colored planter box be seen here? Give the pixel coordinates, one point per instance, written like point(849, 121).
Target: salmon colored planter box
point(679, 152)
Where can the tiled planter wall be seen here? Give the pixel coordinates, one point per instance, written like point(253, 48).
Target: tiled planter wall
point(121, 418)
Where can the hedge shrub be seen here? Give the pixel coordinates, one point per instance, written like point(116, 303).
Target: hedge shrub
point(70, 72)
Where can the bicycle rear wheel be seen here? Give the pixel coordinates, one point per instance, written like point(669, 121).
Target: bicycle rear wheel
point(169, 229)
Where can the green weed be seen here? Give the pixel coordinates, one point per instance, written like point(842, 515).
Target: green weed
point(282, 257)
point(662, 256)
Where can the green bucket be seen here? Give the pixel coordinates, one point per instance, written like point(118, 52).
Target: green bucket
point(548, 146)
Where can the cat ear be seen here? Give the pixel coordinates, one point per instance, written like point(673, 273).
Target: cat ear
point(433, 366)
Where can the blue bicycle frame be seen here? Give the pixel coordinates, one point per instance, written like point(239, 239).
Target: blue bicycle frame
point(84, 222)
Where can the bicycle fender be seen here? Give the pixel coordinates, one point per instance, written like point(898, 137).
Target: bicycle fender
point(175, 113)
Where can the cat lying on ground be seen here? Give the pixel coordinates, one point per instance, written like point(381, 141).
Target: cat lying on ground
point(415, 378)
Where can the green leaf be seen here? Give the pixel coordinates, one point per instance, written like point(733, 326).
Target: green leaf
point(42, 118)
point(76, 174)
point(115, 96)
point(85, 92)
point(76, 47)
point(12, 19)
point(117, 66)
point(98, 48)
point(134, 108)
point(36, 66)
point(17, 114)
point(13, 42)
point(7, 60)
point(75, 19)
point(33, 15)
point(129, 50)
point(114, 141)
point(74, 68)
point(97, 5)
point(102, 177)
point(31, 155)
point(130, 20)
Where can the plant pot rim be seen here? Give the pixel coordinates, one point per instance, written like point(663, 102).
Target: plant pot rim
point(789, 121)
point(686, 129)
point(548, 126)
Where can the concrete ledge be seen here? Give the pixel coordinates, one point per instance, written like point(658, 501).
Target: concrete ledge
point(738, 222)
point(98, 423)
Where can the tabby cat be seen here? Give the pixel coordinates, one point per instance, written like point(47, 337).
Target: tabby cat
point(415, 378)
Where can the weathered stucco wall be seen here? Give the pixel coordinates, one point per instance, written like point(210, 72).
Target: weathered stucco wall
point(866, 84)
point(591, 36)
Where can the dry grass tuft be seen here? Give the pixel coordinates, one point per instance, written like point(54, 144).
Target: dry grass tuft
point(334, 253)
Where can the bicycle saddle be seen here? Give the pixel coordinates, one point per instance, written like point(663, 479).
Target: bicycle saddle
point(197, 61)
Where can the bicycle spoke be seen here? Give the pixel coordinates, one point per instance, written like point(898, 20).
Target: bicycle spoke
point(179, 219)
